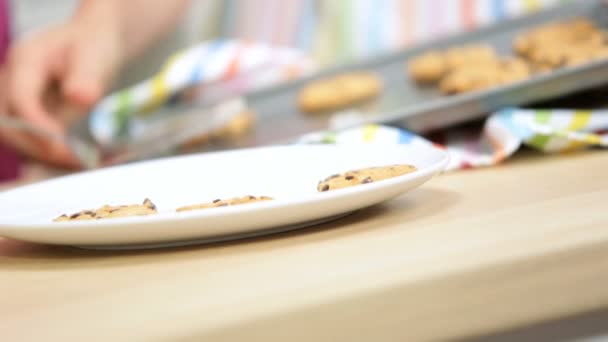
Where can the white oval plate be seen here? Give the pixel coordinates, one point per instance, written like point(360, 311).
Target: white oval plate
point(287, 173)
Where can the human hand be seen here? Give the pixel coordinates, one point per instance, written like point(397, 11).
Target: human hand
point(54, 73)
point(66, 69)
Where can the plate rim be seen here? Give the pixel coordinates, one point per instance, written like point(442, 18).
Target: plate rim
point(172, 216)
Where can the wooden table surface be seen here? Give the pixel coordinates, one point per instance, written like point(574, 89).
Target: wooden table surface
point(468, 253)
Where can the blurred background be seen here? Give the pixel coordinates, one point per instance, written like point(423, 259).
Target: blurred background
point(330, 31)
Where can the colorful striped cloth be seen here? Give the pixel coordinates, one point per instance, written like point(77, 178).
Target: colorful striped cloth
point(503, 133)
point(204, 74)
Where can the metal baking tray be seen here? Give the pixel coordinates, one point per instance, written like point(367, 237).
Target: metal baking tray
point(422, 109)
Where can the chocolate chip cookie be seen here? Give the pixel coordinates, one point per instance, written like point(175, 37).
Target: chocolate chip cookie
point(468, 55)
point(432, 66)
point(224, 203)
point(107, 211)
point(363, 176)
point(428, 67)
point(339, 92)
point(484, 75)
point(561, 44)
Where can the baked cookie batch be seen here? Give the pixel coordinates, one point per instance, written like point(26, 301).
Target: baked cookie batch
point(467, 68)
point(477, 66)
point(470, 67)
point(338, 181)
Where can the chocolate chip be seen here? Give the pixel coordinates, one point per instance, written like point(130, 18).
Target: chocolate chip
point(325, 187)
point(367, 180)
point(73, 216)
point(89, 212)
point(349, 177)
point(216, 200)
point(149, 204)
point(251, 197)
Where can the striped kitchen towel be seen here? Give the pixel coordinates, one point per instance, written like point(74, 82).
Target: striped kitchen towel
point(503, 133)
point(204, 74)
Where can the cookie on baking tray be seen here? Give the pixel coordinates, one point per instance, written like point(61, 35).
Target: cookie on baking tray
point(238, 126)
point(544, 48)
point(432, 66)
point(559, 44)
point(339, 92)
point(363, 176)
point(428, 67)
point(467, 55)
point(484, 75)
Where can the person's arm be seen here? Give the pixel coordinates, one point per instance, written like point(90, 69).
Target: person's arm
point(141, 22)
point(133, 26)
point(70, 66)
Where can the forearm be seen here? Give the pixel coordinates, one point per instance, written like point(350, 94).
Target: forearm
point(140, 22)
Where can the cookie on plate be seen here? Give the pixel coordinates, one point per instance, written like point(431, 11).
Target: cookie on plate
point(339, 92)
point(363, 176)
point(108, 211)
point(226, 202)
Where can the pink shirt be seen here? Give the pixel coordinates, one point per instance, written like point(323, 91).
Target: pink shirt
point(9, 161)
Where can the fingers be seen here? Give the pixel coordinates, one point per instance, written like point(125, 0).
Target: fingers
point(57, 153)
point(41, 149)
point(25, 81)
point(92, 63)
point(28, 77)
point(54, 74)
